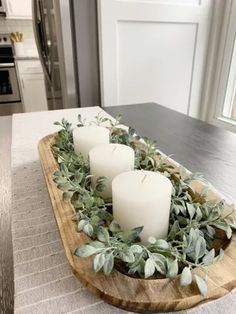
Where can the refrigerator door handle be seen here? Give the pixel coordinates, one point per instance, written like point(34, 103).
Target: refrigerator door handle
point(50, 44)
point(36, 16)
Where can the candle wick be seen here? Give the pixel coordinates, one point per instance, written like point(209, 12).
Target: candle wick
point(114, 149)
point(144, 178)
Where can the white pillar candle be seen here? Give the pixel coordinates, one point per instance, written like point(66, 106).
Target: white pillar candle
point(142, 198)
point(109, 161)
point(87, 137)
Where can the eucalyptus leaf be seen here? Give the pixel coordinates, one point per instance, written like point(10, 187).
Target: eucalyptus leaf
point(114, 226)
point(131, 235)
point(85, 251)
point(162, 244)
point(159, 257)
point(135, 248)
point(186, 277)
point(198, 248)
point(63, 168)
point(81, 224)
point(66, 196)
point(209, 257)
point(191, 210)
point(160, 263)
point(229, 232)
point(88, 229)
point(172, 268)
point(108, 264)
point(89, 202)
point(174, 229)
point(202, 286)
point(103, 234)
point(78, 203)
point(182, 209)
point(64, 186)
point(127, 256)
point(211, 231)
point(97, 244)
point(57, 173)
point(198, 214)
point(98, 262)
point(149, 267)
point(78, 176)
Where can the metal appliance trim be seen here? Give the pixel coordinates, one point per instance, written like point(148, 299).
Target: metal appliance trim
point(7, 65)
point(35, 5)
point(15, 96)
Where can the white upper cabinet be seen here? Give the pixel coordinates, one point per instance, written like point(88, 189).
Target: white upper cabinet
point(19, 9)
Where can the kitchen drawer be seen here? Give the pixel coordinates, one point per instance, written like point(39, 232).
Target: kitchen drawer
point(29, 66)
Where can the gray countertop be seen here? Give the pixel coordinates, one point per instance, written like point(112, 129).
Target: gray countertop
point(197, 145)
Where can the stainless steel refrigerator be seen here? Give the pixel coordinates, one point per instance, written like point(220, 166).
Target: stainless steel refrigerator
point(68, 50)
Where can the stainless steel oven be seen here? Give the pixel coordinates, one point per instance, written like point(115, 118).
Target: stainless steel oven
point(9, 89)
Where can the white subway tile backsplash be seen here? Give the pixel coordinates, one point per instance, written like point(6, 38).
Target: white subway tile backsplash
point(24, 26)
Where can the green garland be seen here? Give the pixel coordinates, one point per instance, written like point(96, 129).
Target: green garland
point(193, 220)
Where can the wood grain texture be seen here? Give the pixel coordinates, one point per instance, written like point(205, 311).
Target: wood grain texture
point(120, 290)
point(6, 256)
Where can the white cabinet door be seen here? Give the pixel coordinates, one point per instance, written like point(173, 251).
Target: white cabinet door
point(19, 9)
point(153, 51)
point(33, 92)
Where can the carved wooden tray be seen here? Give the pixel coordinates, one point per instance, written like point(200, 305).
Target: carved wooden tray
point(133, 294)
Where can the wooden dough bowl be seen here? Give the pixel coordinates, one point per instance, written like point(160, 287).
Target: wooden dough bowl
point(132, 294)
